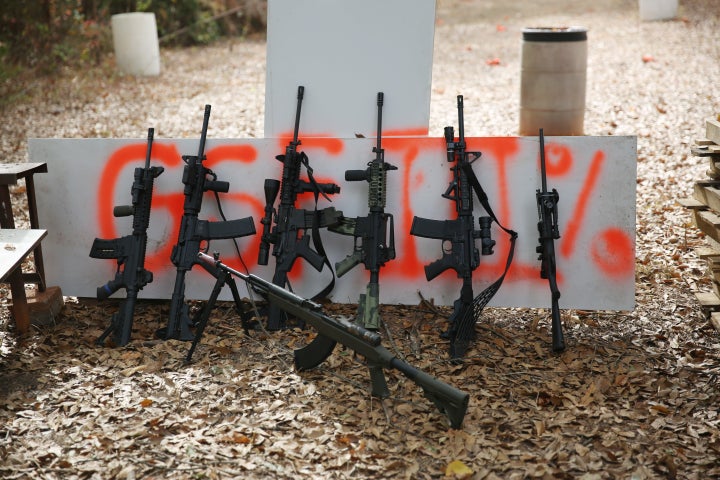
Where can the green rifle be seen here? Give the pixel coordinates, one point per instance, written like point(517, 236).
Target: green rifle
point(449, 400)
point(372, 230)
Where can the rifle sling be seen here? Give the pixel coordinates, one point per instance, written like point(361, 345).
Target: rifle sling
point(317, 240)
point(482, 196)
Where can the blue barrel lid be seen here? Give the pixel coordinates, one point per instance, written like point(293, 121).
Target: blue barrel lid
point(554, 34)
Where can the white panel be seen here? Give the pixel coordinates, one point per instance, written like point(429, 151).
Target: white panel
point(595, 177)
point(343, 52)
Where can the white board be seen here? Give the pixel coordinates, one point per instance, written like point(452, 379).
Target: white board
point(343, 52)
point(595, 177)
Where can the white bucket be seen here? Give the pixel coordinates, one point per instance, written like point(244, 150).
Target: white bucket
point(552, 84)
point(658, 9)
point(135, 38)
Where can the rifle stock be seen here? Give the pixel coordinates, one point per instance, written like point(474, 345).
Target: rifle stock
point(449, 400)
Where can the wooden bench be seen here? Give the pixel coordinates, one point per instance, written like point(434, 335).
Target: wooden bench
point(15, 246)
point(10, 173)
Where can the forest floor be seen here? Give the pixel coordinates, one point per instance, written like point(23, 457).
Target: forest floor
point(635, 394)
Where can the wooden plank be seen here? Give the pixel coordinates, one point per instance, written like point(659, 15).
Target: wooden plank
point(716, 287)
point(703, 151)
point(711, 195)
point(715, 320)
point(699, 193)
point(700, 190)
point(713, 264)
point(10, 173)
point(15, 245)
point(708, 223)
point(707, 252)
point(712, 243)
point(691, 203)
point(712, 129)
point(707, 299)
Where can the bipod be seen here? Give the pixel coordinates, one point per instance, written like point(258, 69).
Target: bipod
point(222, 278)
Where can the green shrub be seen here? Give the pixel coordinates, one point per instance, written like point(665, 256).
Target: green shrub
point(47, 33)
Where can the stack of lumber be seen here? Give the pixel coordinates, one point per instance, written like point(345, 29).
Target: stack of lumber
point(705, 208)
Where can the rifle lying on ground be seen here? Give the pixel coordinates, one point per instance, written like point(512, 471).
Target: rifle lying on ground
point(287, 227)
point(460, 234)
point(375, 249)
point(549, 232)
point(448, 399)
point(197, 179)
point(129, 251)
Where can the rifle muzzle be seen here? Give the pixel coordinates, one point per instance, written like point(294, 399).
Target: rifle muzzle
point(329, 188)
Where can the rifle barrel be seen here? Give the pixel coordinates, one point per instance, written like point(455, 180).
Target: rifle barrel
point(151, 134)
point(542, 161)
point(461, 122)
point(380, 99)
point(300, 94)
point(203, 134)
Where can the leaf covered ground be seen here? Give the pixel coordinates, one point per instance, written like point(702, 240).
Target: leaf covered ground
point(611, 406)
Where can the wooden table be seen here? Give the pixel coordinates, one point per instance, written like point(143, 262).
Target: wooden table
point(10, 173)
point(15, 245)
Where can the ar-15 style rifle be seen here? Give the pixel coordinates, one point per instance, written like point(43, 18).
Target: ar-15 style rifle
point(129, 251)
point(549, 232)
point(460, 233)
point(287, 227)
point(376, 248)
point(197, 180)
point(449, 400)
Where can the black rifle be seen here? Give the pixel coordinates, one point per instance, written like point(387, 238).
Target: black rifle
point(460, 234)
point(129, 251)
point(549, 232)
point(375, 248)
point(197, 180)
point(448, 399)
point(287, 227)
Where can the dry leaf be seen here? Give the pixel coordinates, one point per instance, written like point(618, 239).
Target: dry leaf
point(457, 469)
